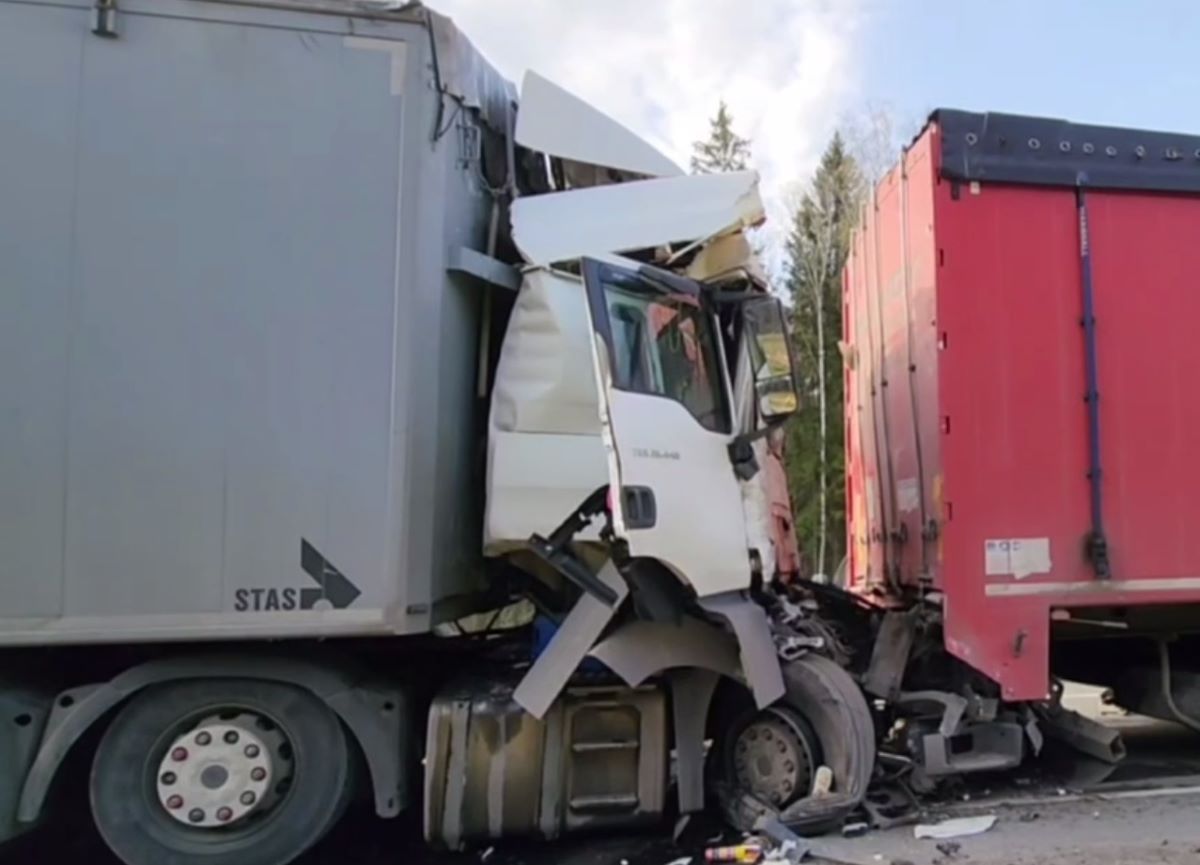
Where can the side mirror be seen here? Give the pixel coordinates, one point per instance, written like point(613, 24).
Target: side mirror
point(771, 357)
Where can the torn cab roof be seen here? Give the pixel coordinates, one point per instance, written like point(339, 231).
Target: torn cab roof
point(636, 215)
point(557, 123)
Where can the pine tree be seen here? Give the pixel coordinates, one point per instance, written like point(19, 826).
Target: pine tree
point(724, 149)
point(818, 245)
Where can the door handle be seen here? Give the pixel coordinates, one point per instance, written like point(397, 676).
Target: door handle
point(639, 507)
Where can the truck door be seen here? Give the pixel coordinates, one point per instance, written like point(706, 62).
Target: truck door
point(667, 418)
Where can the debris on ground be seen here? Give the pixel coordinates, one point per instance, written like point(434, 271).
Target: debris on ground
point(890, 805)
point(959, 827)
point(787, 853)
point(949, 849)
point(1030, 816)
point(682, 860)
point(855, 830)
point(744, 854)
point(822, 781)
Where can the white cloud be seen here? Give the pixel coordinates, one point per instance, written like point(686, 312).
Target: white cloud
point(786, 68)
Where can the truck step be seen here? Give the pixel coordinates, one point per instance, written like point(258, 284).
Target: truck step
point(591, 747)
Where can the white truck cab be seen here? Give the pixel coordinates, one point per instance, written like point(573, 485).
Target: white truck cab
point(643, 364)
point(613, 370)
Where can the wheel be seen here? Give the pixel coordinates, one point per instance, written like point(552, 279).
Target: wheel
point(220, 772)
point(773, 755)
point(770, 758)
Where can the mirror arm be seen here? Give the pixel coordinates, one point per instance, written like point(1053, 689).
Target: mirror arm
point(745, 466)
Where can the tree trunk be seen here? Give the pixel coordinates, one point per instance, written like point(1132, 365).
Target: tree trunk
point(822, 401)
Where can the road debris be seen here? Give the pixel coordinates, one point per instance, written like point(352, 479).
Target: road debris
point(822, 781)
point(949, 849)
point(891, 804)
point(791, 849)
point(746, 854)
point(855, 830)
point(959, 827)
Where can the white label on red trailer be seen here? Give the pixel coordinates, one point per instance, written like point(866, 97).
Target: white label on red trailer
point(908, 495)
point(1016, 557)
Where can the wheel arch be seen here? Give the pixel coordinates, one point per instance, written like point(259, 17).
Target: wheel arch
point(694, 655)
point(374, 714)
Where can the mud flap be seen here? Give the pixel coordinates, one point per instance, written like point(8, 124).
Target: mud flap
point(24, 712)
point(750, 625)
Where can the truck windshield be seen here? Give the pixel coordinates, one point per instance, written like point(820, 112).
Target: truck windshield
point(663, 345)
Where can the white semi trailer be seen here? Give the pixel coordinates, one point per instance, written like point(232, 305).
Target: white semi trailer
point(297, 305)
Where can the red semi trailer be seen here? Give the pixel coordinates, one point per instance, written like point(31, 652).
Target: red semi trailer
point(1022, 427)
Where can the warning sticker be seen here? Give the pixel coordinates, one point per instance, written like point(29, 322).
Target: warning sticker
point(1016, 557)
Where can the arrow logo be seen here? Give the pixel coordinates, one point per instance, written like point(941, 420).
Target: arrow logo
point(334, 587)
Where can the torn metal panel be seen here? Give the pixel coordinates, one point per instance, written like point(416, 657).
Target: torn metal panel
point(639, 649)
point(691, 693)
point(1084, 734)
point(889, 655)
point(753, 631)
point(636, 215)
point(728, 257)
point(549, 674)
point(558, 123)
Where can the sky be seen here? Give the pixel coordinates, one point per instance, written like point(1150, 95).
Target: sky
point(794, 71)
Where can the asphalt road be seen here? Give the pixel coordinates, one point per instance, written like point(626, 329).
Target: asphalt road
point(1061, 811)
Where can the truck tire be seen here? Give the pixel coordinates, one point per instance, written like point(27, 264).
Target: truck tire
point(831, 701)
point(220, 772)
point(771, 756)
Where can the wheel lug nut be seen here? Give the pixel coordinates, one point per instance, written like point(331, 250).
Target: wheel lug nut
point(231, 737)
point(195, 815)
point(258, 773)
point(225, 814)
point(179, 755)
point(248, 798)
point(252, 751)
point(203, 739)
point(168, 778)
point(175, 802)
